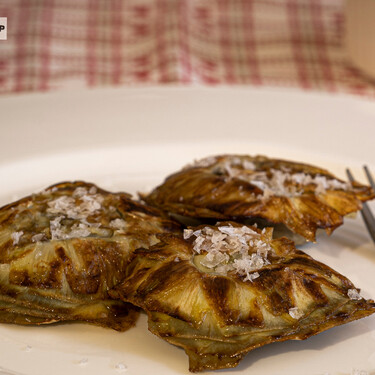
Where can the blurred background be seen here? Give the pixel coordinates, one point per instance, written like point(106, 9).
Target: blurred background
point(64, 44)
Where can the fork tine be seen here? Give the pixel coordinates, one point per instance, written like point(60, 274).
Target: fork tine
point(367, 215)
point(369, 219)
point(369, 176)
point(349, 174)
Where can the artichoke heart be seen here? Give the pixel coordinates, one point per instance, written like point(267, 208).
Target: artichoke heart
point(301, 197)
point(62, 249)
point(221, 291)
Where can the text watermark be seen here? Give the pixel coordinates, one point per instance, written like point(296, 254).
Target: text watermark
point(3, 28)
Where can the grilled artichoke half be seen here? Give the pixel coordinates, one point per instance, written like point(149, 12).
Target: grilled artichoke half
point(232, 187)
point(62, 249)
point(227, 289)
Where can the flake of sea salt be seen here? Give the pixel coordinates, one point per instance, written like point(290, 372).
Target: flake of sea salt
point(248, 264)
point(79, 192)
point(247, 164)
point(121, 367)
point(263, 252)
point(354, 294)
point(55, 228)
point(260, 185)
point(213, 259)
point(359, 372)
point(69, 207)
point(336, 184)
point(60, 232)
point(223, 269)
point(320, 188)
point(234, 244)
point(229, 230)
point(37, 237)
point(267, 193)
point(197, 232)
point(90, 204)
point(202, 163)
point(209, 231)
point(83, 361)
point(227, 249)
point(251, 276)
point(322, 183)
point(80, 206)
point(217, 237)
point(198, 243)
point(278, 178)
point(188, 233)
point(15, 236)
point(235, 161)
point(258, 261)
point(301, 178)
point(231, 172)
point(60, 205)
point(78, 231)
point(118, 224)
point(278, 185)
point(248, 230)
point(295, 313)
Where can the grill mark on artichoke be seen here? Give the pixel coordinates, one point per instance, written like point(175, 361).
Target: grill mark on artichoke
point(216, 289)
point(47, 278)
point(277, 290)
point(163, 276)
point(315, 291)
point(5, 251)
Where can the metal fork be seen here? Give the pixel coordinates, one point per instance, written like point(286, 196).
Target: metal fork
point(367, 215)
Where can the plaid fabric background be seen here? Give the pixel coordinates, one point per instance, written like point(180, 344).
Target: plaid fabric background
point(57, 44)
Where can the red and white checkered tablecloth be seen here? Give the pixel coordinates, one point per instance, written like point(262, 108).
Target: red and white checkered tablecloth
point(57, 44)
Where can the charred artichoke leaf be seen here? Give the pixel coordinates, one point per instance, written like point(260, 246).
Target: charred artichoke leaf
point(63, 248)
point(224, 290)
point(238, 187)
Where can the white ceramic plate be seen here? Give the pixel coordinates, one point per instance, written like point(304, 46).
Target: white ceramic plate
point(130, 140)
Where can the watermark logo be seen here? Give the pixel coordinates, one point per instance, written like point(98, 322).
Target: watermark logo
point(3, 28)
